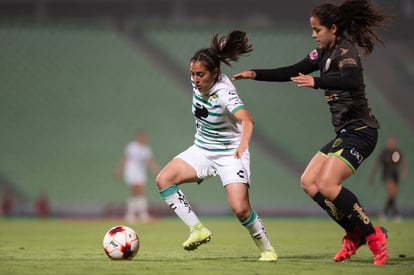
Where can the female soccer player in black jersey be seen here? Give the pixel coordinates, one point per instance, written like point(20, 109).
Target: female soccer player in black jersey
point(338, 30)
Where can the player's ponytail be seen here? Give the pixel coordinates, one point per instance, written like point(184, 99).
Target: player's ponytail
point(231, 47)
point(224, 49)
point(362, 20)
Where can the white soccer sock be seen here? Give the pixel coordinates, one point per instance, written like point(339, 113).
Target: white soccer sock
point(141, 207)
point(176, 200)
point(257, 231)
point(130, 210)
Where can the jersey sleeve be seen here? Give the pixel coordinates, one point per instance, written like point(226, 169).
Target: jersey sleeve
point(283, 74)
point(314, 56)
point(231, 101)
point(347, 57)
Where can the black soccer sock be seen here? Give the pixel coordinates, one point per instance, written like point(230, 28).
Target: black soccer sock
point(392, 206)
point(333, 212)
point(387, 207)
point(348, 204)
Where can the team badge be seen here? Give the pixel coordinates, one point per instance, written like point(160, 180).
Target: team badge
point(213, 100)
point(337, 142)
point(313, 55)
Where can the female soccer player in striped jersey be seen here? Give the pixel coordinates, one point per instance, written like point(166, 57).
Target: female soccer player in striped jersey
point(337, 30)
point(223, 131)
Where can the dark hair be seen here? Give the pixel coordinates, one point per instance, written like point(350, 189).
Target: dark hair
point(358, 19)
point(224, 49)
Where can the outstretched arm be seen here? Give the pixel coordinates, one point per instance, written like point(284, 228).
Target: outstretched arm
point(281, 74)
point(153, 166)
point(404, 169)
point(300, 74)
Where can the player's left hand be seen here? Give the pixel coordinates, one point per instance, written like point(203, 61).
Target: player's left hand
point(239, 152)
point(304, 80)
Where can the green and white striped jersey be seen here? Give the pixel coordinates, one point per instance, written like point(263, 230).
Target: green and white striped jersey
point(217, 129)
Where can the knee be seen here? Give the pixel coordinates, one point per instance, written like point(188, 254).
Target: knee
point(162, 181)
point(308, 183)
point(328, 188)
point(242, 213)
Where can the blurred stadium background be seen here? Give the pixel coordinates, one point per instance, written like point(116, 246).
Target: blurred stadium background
point(79, 77)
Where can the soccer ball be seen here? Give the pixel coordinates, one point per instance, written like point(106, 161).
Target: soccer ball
point(121, 243)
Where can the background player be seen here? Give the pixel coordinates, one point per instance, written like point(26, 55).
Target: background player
point(133, 165)
point(393, 167)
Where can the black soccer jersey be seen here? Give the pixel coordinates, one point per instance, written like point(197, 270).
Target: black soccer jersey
point(390, 161)
point(340, 76)
point(350, 104)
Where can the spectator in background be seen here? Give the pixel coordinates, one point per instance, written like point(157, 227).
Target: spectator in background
point(6, 204)
point(42, 205)
point(393, 167)
point(133, 165)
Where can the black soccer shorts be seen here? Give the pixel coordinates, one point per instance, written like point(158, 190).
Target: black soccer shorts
point(353, 144)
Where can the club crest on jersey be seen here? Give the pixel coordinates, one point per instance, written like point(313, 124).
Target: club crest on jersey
point(313, 55)
point(213, 100)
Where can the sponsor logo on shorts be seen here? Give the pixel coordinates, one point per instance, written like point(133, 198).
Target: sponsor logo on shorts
point(357, 155)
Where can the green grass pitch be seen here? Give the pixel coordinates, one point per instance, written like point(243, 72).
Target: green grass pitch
point(304, 246)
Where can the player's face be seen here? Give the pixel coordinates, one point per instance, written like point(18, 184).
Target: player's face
point(202, 77)
point(325, 37)
point(141, 138)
